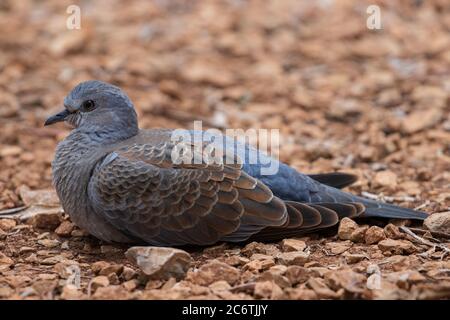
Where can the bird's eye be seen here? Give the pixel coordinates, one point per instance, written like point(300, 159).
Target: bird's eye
point(87, 106)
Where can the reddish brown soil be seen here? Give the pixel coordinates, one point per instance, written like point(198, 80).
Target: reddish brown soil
point(371, 102)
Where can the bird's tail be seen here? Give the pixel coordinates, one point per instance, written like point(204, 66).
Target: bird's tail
point(326, 209)
point(331, 183)
point(385, 210)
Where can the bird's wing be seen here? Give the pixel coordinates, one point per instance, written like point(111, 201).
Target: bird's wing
point(143, 193)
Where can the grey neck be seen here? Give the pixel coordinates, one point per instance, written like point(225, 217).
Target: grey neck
point(106, 135)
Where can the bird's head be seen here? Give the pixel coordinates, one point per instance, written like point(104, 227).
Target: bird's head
point(94, 105)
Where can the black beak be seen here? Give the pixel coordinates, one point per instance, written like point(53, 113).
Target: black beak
point(61, 116)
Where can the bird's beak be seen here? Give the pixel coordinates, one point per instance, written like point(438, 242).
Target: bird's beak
point(60, 116)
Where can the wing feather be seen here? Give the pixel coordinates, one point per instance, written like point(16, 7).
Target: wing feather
point(142, 192)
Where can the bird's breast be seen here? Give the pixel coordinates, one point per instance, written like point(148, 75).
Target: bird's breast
point(74, 162)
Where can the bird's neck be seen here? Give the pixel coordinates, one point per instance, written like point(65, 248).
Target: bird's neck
point(105, 135)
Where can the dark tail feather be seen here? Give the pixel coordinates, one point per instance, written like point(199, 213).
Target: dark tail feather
point(329, 192)
point(384, 210)
point(337, 180)
point(372, 208)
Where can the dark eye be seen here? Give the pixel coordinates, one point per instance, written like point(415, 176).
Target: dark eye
point(87, 106)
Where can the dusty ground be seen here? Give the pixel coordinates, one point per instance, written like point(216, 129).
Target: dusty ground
point(371, 102)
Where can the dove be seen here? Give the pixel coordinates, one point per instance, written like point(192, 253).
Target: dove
point(123, 184)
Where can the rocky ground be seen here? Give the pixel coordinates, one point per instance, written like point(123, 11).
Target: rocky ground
point(370, 102)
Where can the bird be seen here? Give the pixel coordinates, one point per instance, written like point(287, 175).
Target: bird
point(122, 184)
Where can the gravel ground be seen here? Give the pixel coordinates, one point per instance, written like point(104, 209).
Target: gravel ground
point(375, 103)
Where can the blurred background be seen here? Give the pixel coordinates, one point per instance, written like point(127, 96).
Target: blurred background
point(345, 97)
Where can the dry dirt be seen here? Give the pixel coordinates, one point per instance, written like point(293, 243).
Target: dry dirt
point(371, 102)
